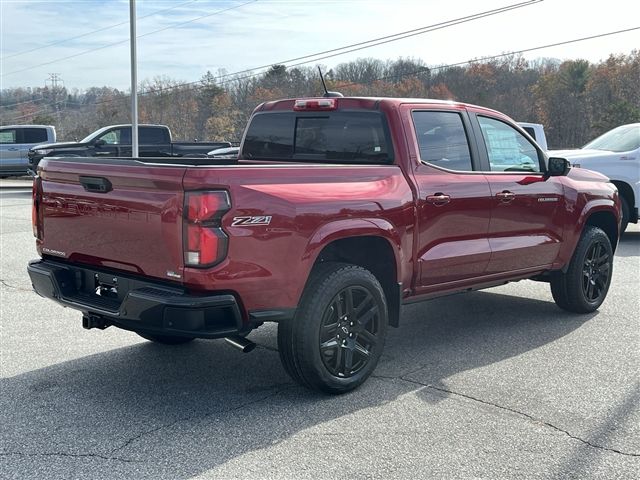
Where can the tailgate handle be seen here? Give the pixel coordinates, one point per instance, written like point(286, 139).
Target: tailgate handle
point(96, 184)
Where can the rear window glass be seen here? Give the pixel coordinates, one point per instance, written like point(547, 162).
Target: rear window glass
point(34, 135)
point(349, 137)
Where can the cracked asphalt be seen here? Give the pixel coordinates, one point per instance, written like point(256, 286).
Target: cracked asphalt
point(493, 384)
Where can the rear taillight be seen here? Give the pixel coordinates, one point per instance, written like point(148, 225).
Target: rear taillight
point(205, 243)
point(36, 211)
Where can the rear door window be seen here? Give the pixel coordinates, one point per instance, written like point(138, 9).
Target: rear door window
point(153, 135)
point(34, 135)
point(442, 139)
point(343, 137)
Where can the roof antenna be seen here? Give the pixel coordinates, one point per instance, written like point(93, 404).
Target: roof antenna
point(327, 93)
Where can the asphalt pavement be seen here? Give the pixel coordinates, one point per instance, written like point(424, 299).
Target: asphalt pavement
point(493, 384)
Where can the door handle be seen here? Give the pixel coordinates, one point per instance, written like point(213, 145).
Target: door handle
point(506, 196)
point(96, 184)
point(438, 199)
point(13, 149)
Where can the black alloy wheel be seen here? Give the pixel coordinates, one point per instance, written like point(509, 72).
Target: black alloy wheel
point(583, 286)
point(595, 272)
point(348, 332)
point(336, 338)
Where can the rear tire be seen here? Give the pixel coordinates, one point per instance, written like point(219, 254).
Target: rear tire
point(337, 336)
point(584, 286)
point(165, 339)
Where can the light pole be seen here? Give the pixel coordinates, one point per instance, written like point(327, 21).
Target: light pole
point(134, 80)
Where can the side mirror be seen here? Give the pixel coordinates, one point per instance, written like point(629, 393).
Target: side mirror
point(557, 167)
point(99, 143)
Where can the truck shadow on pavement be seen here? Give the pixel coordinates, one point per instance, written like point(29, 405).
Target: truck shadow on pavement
point(152, 411)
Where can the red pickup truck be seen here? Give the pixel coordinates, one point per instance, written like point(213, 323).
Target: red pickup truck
point(336, 213)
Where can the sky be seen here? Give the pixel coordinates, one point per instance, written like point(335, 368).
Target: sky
point(183, 39)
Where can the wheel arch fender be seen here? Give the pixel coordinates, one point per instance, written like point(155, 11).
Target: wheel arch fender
point(602, 213)
point(625, 189)
point(627, 192)
point(352, 241)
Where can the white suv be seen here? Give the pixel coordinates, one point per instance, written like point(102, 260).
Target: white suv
point(615, 154)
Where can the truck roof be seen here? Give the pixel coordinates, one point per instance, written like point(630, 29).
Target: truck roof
point(374, 102)
point(28, 126)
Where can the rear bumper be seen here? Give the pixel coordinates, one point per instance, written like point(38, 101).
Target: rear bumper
point(134, 304)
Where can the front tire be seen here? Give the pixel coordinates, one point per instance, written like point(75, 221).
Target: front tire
point(337, 336)
point(584, 286)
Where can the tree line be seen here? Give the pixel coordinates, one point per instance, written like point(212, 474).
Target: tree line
point(575, 100)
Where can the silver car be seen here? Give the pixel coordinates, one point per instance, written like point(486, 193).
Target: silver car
point(15, 142)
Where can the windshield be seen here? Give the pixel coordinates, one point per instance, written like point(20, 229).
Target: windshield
point(621, 139)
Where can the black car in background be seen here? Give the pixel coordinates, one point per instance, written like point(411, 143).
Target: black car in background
point(115, 141)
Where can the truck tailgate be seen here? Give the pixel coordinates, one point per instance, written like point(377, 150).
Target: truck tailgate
point(116, 214)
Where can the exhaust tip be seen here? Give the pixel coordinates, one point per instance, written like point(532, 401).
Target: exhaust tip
point(241, 343)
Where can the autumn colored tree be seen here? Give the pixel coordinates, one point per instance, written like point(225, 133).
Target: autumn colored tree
point(561, 103)
point(575, 100)
point(226, 122)
point(613, 96)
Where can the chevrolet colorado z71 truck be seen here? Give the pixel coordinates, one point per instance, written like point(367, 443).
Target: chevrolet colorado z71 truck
point(336, 213)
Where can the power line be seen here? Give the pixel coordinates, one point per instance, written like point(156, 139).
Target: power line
point(127, 40)
point(21, 103)
point(440, 67)
point(392, 37)
point(493, 57)
point(360, 45)
point(54, 78)
point(64, 40)
point(34, 113)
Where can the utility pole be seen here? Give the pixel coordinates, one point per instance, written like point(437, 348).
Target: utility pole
point(134, 80)
point(54, 78)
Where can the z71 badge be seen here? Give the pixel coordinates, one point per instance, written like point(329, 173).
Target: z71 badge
point(251, 221)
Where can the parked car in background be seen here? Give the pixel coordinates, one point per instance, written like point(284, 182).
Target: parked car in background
point(15, 142)
point(615, 154)
point(535, 131)
point(228, 153)
point(115, 141)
